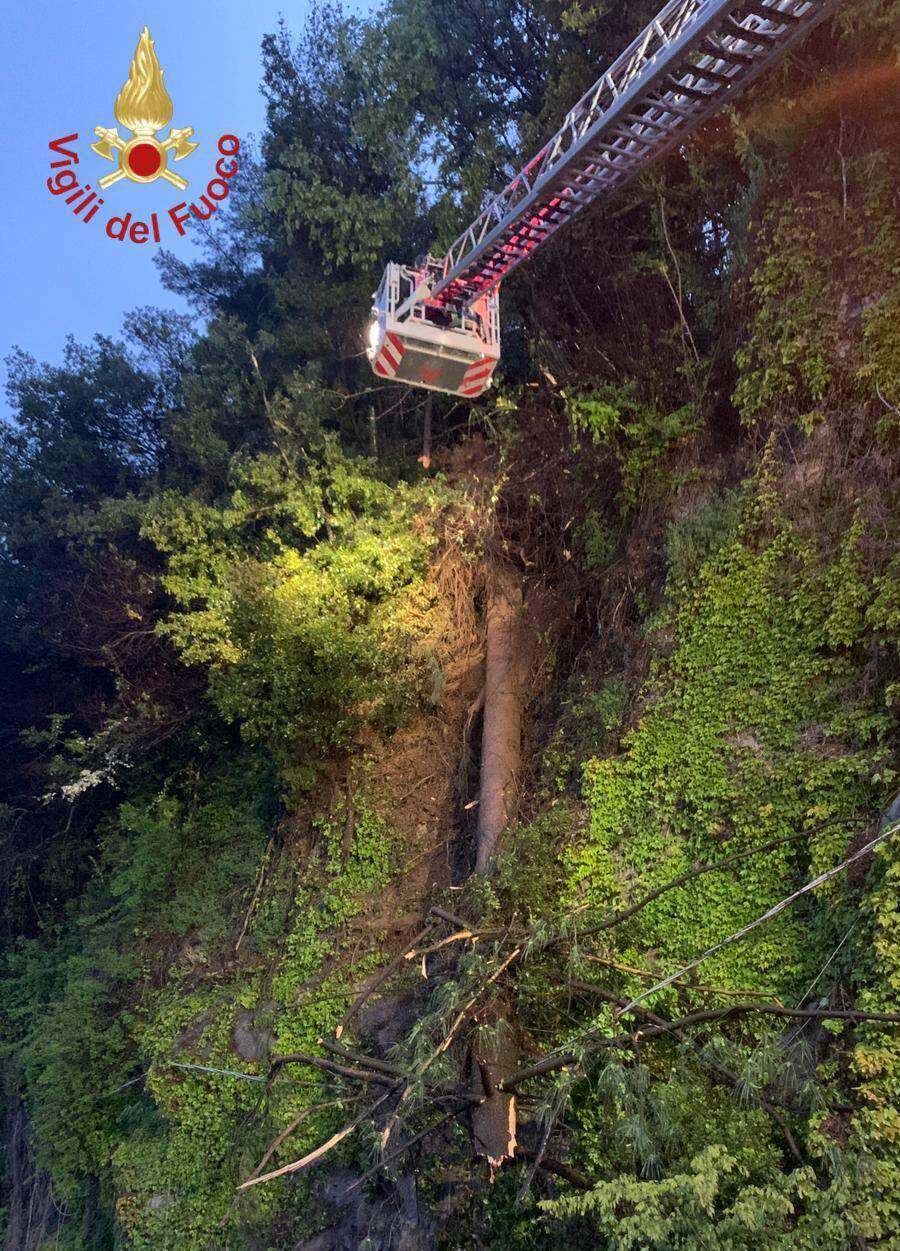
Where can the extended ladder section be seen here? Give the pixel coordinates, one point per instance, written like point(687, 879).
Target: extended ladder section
point(691, 60)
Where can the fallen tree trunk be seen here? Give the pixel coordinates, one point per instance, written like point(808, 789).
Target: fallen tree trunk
point(494, 1057)
point(501, 744)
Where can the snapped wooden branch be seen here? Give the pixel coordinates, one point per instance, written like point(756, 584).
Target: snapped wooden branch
point(322, 1150)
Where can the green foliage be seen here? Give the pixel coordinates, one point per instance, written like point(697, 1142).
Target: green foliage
point(206, 541)
point(135, 982)
point(668, 1214)
point(876, 1058)
point(597, 541)
point(693, 539)
point(342, 176)
point(752, 729)
point(587, 723)
point(166, 862)
point(881, 366)
point(292, 591)
point(746, 736)
point(640, 435)
point(530, 876)
point(813, 325)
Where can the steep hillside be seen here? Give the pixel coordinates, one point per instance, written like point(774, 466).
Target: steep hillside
point(385, 841)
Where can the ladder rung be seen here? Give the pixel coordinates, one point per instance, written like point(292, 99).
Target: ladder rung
point(538, 228)
point(560, 215)
point(668, 107)
point(594, 185)
point(601, 159)
point(767, 14)
point(726, 54)
point(712, 76)
point(590, 171)
point(692, 93)
point(665, 127)
point(758, 37)
point(630, 156)
point(548, 214)
point(599, 172)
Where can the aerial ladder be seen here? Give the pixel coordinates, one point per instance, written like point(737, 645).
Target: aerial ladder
point(436, 323)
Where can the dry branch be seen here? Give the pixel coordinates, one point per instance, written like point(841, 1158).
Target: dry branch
point(459, 937)
point(325, 1147)
point(403, 1148)
point(286, 1133)
point(461, 924)
point(702, 990)
point(626, 913)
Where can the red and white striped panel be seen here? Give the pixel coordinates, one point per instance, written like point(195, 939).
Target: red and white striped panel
point(476, 378)
point(388, 359)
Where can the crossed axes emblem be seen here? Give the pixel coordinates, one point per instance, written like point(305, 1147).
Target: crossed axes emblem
point(143, 158)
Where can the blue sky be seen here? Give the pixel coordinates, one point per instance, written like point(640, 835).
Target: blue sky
point(61, 67)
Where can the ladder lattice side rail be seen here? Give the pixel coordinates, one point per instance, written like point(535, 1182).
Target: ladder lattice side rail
point(690, 60)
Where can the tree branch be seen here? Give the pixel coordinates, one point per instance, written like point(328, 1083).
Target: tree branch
point(325, 1147)
point(367, 1062)
point(329, 1066)
point(548, 1065)
point(626, 913)
point(572, 1175)
point(728, 1076)
point(394, 966)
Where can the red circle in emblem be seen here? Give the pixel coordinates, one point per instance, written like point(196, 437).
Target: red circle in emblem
point(144, 160)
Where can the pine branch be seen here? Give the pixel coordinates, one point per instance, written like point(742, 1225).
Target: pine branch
point(728, 1076)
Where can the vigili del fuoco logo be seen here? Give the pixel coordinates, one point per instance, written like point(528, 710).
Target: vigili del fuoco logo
point(144, 108)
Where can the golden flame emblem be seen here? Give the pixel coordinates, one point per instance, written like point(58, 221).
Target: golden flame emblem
point(144, 107)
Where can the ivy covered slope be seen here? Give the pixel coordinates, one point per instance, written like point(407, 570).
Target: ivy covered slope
point(220, 902)
point(243, 673)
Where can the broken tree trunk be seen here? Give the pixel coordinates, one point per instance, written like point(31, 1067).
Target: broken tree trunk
point(494, 1057)
point(501, 744)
